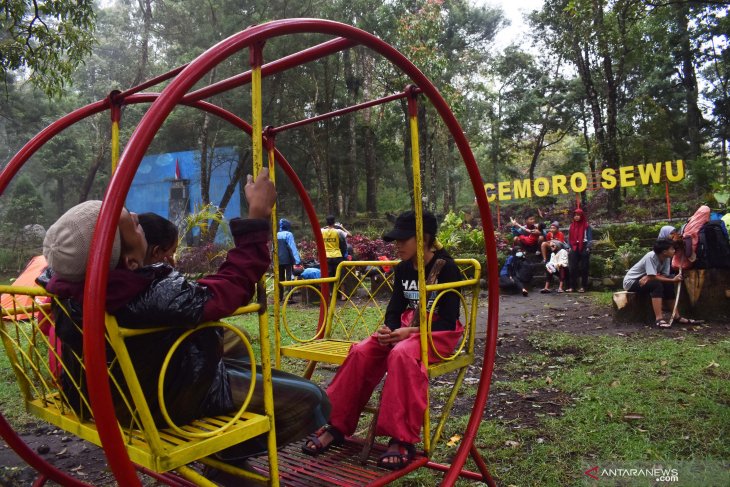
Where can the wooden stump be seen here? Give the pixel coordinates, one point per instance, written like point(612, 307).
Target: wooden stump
point(632, 307)
point(706, 294)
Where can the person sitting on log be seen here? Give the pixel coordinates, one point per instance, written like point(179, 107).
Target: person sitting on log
point(652, 275)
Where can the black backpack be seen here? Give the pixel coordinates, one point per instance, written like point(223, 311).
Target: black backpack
point(713, 247)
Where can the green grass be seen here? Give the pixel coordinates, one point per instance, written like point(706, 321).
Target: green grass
point(602, 298)
point(11, 402)
point(627, 401)
point(632, 400)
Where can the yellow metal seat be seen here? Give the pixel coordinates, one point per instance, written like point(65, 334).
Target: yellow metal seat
point(347, 321)
point(363, 311)
point(25, 333)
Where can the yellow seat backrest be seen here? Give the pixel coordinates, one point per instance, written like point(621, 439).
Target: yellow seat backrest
point(359, 298)
point(356, 308)
point(51, 379)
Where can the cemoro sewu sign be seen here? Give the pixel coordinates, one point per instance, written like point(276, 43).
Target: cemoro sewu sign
point(578, 182)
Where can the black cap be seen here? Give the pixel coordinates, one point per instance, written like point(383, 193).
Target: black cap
point(405, 226)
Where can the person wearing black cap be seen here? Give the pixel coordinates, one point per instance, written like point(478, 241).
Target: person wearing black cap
point(395, 349)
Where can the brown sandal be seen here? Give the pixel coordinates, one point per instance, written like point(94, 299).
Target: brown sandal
point(397, 459)
point(317, 446)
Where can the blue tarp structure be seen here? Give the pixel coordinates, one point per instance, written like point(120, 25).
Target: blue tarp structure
point(150, 191)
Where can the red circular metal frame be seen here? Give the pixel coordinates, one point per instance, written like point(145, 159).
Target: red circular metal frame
point(165, 102)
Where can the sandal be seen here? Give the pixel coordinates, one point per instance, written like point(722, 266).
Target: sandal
point(687, 321)
point(560, 291)
point(581, 290)
point(314, 446)
point(662, 323)
point(546, 291)
point(569, 290)
point(397, 459)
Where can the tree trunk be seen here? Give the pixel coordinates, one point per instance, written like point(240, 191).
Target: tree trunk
point(369, 141)
point(353, 82)
point(204, 172)
point(145, 7)
point(610, 143)
point(496, 133)
point(605, 138)
point(689, 83)
point(95, 165)
point(60, 192)
point(228, 193)
point(450, 189)
point(407, 166)
point(371, 170)
point(428, 165)
point(537, 150)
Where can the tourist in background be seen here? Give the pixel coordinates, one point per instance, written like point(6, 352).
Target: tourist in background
point(580, 239)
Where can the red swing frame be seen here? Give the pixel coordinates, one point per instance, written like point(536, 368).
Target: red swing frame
point(176, 93)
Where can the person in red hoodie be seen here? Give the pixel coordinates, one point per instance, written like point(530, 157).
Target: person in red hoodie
point(201, 379)
point(580, 239)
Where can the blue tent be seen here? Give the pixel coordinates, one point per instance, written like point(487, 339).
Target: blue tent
point(150, 191)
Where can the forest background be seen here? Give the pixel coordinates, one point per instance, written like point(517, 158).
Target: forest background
point(600, 83)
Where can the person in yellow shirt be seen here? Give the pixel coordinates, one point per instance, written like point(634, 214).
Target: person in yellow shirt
point(332, 233)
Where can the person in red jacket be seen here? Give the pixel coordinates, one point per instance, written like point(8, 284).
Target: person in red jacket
point(201, 379)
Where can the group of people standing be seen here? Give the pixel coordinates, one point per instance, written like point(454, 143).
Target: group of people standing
point(567, 259)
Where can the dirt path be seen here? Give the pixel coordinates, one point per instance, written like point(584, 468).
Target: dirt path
point(519, 316)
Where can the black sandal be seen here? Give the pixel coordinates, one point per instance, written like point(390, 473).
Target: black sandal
point(397, 459)
point(662, 324)
point(317, 446)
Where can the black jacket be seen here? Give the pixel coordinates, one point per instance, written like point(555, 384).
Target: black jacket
point(405, 294)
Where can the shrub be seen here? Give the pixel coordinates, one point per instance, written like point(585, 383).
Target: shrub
point(366, 248)
point(200, 260)
point(597, 266)
point(457, 236)
point(625, 256)
point(363, 247)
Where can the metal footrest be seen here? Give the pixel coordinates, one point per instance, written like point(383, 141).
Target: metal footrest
point(338, 466)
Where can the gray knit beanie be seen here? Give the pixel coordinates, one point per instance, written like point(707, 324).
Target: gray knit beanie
point(67, 243)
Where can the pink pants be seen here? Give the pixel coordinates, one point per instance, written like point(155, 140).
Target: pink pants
point(403, 400)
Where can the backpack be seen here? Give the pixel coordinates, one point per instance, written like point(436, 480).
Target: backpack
point(713, 247)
